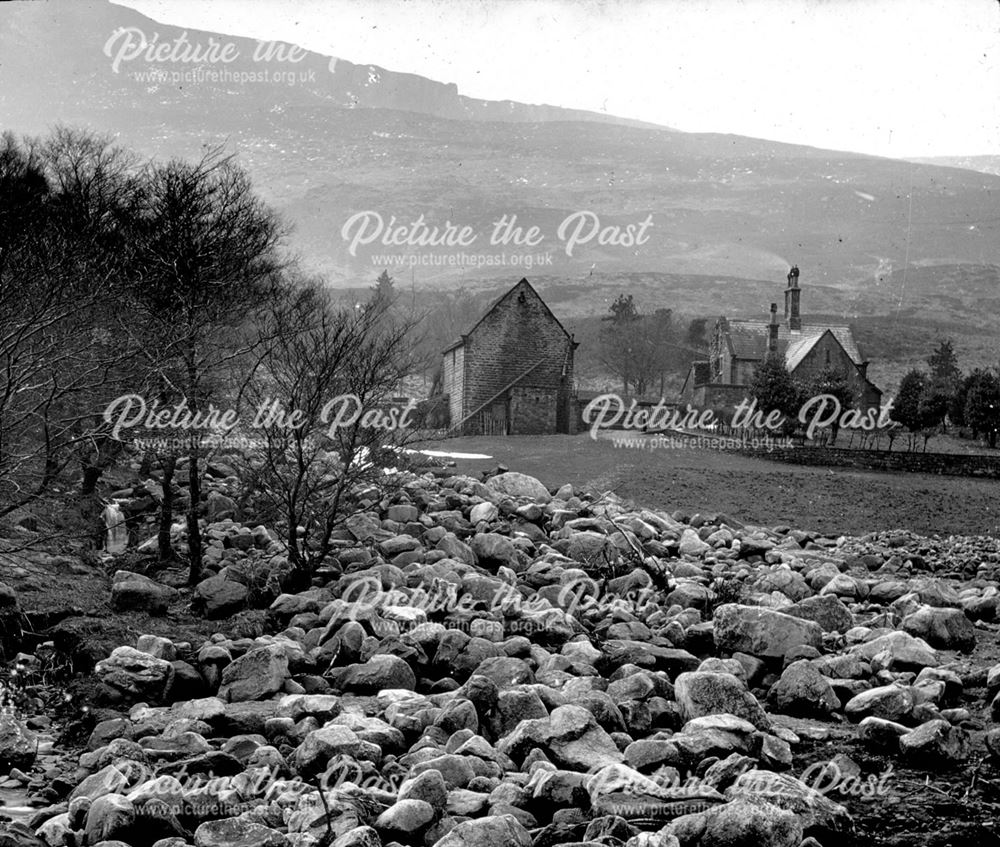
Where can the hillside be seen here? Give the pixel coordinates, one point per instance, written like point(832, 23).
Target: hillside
point(877, 239)
point(983, 164)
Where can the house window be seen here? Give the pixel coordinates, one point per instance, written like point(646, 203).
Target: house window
point(828, 357)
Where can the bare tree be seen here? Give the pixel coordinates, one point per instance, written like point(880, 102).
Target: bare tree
point(207, 252)
point(64, 206)
point(321, 402)
point(637, 348)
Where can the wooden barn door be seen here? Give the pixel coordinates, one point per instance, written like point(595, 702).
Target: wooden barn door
point(495, 418)
point(562, 411)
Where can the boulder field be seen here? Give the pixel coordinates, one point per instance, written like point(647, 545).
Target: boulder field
point(496, 665)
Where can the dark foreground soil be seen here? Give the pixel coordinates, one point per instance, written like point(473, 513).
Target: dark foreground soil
point(827, 500)
point(946, 807)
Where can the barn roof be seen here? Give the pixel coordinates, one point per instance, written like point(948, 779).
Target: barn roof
point(458, 342)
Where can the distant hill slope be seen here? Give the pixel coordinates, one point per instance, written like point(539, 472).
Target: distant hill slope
point(65, 51)
point(873, 236)
point(983, 164)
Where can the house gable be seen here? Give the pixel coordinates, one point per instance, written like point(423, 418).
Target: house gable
point(738, 346)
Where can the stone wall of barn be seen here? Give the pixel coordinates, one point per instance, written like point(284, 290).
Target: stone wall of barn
point(519, 340)
point(453, 381)
point(533, 410)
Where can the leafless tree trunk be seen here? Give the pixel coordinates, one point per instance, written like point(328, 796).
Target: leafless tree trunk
point(307, 474)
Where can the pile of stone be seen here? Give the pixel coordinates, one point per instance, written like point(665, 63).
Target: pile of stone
point(960, 557)
point(495, 664)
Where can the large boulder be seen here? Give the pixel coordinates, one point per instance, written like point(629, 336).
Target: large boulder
point(948, 629)
point(790, 583)
point(405, 817)
point(889, 702)
point(902, 649)
point(493, 831)
point(237, 832)
point(219, 507)
point(519, 485)
point(570, 737)
point(218, 596)
point(378, 673)
point(589, 548)
point(935, 744)
point(494, 550)
point(110, 817)
point(135, 675)
point(18, 744)
point(321, 745)
point(701, 693)
point(692, 545)
point(827, 610)
point(815, 812)
point(762, 632)
point(738, 823)
point(255, 675)
point(131, 592)
point(803, 691)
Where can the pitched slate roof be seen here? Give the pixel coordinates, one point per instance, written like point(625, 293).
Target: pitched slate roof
point(798, 349)
point(748, 340)
point(458, 342)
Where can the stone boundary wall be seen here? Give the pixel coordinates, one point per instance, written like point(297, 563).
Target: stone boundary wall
point(947, 464)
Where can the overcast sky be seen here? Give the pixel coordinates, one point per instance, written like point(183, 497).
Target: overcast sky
point(907, 78)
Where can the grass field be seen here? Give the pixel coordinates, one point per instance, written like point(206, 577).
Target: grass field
point(829, 500)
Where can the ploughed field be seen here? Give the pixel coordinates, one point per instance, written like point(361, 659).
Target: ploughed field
point(829, 500)
point(505, 663)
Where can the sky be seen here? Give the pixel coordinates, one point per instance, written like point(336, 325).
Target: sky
point(901, 78)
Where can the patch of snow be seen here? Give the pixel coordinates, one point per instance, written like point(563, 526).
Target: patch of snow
point(443, 454)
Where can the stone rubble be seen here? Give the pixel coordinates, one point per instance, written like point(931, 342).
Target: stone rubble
point(495, 665)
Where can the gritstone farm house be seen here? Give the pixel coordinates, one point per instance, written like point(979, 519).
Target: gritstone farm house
point(737, 347)
point(512, 373)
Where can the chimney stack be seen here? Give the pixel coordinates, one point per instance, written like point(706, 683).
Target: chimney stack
point(772, 331)
point(792, 293)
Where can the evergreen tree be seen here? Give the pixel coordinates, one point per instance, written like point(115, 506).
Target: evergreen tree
point(833, 382)
point(982, 406)
point(697, 334)
point(944, 363)
point(383, 292)
point(944, 384)
point(774, 389)
point(956, 407)
point(621, 349)
point(906, 409)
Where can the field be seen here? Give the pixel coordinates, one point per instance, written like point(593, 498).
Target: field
point(828, 500)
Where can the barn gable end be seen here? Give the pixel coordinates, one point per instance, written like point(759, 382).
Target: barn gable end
point(512, 372)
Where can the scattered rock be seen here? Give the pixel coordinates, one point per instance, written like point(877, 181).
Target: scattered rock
point(132, 592)
point(762, 632)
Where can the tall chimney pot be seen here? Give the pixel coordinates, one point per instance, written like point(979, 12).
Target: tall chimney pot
point(792, 294)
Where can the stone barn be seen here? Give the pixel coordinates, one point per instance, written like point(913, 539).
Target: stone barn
point(512, 372)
